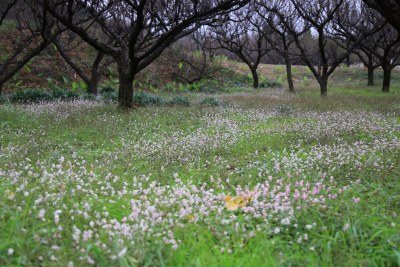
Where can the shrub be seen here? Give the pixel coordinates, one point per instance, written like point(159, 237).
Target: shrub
point(265, 82)
point(211, 101)
point(107, 90)
point(109, 97)
point(31, 96)
point(3, 99)
point(145, 99)
point(61, 94)
point(70, 95)
point(180, 101)
point(171, 87)
point(108, 94)
point(87, 96)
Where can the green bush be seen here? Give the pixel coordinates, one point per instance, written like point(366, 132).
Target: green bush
point(109, 97)
point(145, 99)
point(107, 90)
point(61, 94)
point(266, 83)
point(211, 101)
point(70, 95)
point(87, 96)
point(3, 99)
point(108, 94)
point(31, 96)
point(171, 87)
point(180, 101)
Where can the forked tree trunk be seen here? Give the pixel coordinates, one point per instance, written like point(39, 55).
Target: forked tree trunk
point(289, 73)
point(255, 77)
point(387, 75)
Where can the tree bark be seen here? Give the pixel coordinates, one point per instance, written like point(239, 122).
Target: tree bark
point(1, 88)
point(289, 73)
point(371, 80)
point(125, 92)
point(93, 84)
point(323, 84)
point(387, 75)
point(255, 77)
point(94, 80)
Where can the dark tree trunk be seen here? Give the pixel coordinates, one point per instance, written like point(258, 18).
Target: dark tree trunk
point(371, 80)
point(1, 88)
point(348, 57)
point(387, 75)
point(94, 80)
point(93, 84)
point(323, 84)
point(255, 77)
point(289, 73)
point(125, 92)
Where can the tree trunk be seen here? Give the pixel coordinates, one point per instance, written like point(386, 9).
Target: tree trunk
point(93, 84)
point(289, 73)
point(255, 77)
point(323, 84)
point(371, 81)
point(125, 92)
point(387, 75)
point(94, 80)
point(1, 88)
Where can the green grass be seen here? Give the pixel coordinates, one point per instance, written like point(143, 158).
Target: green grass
point(86, 158)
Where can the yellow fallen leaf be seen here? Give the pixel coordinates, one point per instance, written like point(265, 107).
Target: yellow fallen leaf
point(237, 202)
point(11, 196)
point(190, 217)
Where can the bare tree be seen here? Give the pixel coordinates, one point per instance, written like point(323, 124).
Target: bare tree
point(390, 9)
point(368, 47)
point(141, 29)
point(35, 30)
point(322, 16)
point(387, 51)
point(67, 46)
point(193, 59)
point(380, 48)
point(283, 21)
point(369, 60)
point(243, 35)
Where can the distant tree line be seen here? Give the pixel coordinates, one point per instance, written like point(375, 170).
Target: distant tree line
point(321, 34)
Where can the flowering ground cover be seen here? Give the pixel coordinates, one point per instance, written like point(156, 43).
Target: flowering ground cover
point(84, 183)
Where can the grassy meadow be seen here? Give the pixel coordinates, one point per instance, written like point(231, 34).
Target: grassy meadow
point(266, 179)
